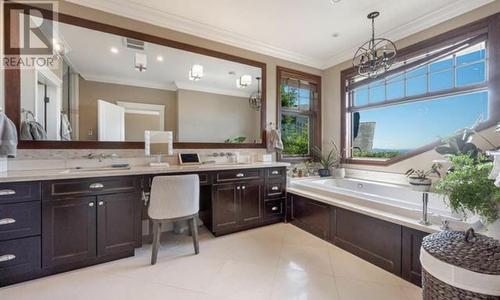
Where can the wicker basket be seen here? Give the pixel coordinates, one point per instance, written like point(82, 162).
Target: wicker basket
point(458, 265)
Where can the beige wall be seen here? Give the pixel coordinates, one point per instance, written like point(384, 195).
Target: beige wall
point(271, 62)
point(91, 91)
point(213, 118)
point(331, 91)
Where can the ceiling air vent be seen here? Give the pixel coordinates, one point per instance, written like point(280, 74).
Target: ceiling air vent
point(134, 44)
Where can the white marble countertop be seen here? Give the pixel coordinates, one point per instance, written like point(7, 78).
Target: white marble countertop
point(36, 175)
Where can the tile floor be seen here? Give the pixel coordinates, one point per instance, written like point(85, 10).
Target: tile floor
point(273, 262)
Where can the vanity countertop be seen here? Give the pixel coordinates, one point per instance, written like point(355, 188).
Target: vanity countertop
point(54, 174)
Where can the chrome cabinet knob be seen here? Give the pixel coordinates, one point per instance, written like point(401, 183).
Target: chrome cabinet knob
point(7, 257)
point(243, 187)
point(275, 172)
point(7, 221)
point(275, 188)
point(240, 175)
point(7, 192)
point(237, 187)
point(100, 203)
point(274, 208)
point(91, 204)
point(96, 186)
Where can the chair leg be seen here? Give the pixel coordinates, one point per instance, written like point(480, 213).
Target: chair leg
point(194, 231)
point(156, 241)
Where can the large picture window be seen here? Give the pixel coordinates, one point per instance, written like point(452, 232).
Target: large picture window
point(428, 95)
point(298, 112)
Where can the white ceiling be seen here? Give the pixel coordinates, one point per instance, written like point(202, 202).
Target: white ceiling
point(295, 30)
point(88, 52)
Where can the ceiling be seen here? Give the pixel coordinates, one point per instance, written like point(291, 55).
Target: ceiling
point(296, 30)
point(89, 53)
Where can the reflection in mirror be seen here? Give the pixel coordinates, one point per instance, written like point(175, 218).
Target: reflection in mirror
point(111, 88)
point(158, 142)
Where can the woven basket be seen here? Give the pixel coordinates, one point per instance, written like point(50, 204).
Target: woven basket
point(477, 254)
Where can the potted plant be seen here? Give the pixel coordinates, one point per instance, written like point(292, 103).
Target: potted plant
point(419, 179)
point(469, 189)
point(327, 161)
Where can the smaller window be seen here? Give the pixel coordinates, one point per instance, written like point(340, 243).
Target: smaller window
point(298, 113)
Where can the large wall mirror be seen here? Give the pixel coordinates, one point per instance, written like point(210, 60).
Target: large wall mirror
point(110, 85)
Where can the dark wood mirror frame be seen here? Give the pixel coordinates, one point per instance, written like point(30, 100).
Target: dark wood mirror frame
point(13, 84)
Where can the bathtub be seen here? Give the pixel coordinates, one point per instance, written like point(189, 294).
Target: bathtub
point(394, 202)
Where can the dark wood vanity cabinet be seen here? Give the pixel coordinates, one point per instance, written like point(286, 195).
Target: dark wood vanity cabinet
point(89, 220)
point(411, 243)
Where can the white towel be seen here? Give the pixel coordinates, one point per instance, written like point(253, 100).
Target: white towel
point(495, 172)
point(274, 142)
point(65, 128)
point(8, 137)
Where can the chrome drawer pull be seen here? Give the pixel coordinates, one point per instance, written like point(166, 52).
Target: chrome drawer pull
point(7, 192)
point(243, 187)
point(274, 208)
point(96, 186)
point(275, 188)
point(7, 257)
point(7, 221)
point(275, 172)
point(240, 175)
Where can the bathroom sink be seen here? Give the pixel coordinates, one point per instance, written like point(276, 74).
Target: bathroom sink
point(95, 169)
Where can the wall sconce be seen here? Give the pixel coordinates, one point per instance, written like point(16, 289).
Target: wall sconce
point(244, 81)
point(196, 72)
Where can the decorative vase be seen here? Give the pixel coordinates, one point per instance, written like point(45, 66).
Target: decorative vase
point(419, 184)
point(339, 173)
point(324, 172)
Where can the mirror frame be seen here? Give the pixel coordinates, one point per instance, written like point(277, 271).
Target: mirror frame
point(13, 85)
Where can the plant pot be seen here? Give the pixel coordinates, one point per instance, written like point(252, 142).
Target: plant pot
point(324, 172)
point(420, 185)
point(339, 173)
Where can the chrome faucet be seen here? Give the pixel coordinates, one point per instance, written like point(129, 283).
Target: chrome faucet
point(101, 156)
point(425, 203)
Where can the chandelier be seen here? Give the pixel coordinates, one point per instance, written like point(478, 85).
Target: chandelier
point(255, 100)
point(375, 56)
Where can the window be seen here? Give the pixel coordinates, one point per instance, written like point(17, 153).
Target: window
point(298, 113)
point(429, 94)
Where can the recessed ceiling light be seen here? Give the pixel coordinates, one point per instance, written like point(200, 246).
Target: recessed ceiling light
point(113, 50)
point(159, 58)
point(335, 35)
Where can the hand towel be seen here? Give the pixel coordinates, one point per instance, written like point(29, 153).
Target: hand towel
point(8, 137)
point(65, 128)
point(25, 132)
point(37, 131)
point(274, 142)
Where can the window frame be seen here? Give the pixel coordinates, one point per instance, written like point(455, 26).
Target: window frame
point(489, 26)
point(314, 113)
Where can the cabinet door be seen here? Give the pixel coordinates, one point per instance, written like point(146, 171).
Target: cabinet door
point(68, 231)
point(118, 223)
point(310, 215)
point(411, 268)
point(251, 202)
point(225, 205)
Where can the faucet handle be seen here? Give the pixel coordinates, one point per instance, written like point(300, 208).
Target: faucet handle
point(445, 224)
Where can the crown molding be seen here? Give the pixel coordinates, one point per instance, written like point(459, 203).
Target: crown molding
point(414, 26)
point(128, 82)
point(156, 17)
point(149, 15)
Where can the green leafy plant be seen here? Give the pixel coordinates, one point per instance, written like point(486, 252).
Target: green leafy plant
point(288, 98)
point(295, 140)
point(468, 187)
point(236, 140)
point(330, 159)
point(424, 174)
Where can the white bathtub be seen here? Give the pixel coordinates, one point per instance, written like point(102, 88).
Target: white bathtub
point(389, 199)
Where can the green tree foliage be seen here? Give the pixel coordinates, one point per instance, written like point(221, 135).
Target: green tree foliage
point(295, 140)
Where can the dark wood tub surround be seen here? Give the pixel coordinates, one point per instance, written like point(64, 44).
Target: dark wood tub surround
point(48, 227)
point(390, 246)
point(13, 82)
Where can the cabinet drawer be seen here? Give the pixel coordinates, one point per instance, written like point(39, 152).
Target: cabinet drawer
point(89, 186)
point(19, 258)
point(275, 189)
point(238, 175)
point(275, 172)
point(19, 192)
point(19, 220)
point(273, 208)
